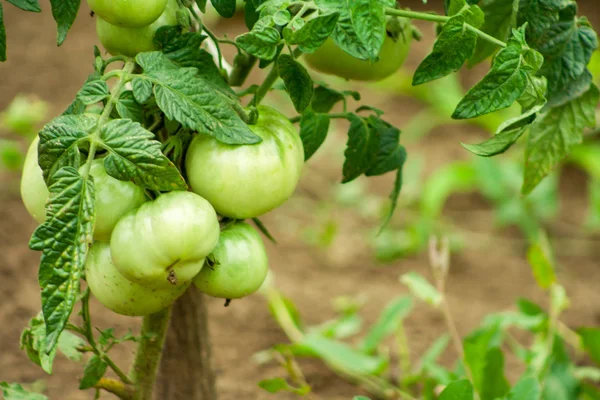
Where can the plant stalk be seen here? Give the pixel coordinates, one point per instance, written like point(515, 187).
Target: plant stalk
point(148, 354)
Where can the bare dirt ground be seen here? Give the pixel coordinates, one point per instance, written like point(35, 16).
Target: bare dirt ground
point(481, 280)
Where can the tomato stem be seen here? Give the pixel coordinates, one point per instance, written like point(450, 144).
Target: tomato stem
point(145, 366)
point(269, 81)
point(441, 18)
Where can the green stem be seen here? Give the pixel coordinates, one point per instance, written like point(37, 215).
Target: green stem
point(264, 88)
point(214, 38)
point(147, 358)
point(440, 18)
point(242, 65)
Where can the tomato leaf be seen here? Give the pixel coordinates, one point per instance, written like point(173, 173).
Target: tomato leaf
point(32, 341)
point(186, 98)
point(297, 81)
point(390, 154)
point(504, 84)
point(226, 8)
point(590, 338)
point(458, 390)
point(362, 144)
point(142, 90)
point(14, 391)
point(127, 107)
point(325, 98)
point(58, 142)
point(94, 370)
point(133, 155)
point(261, 43)
point(553, 135)
point(497, 144)
point(64, 240)
point(541, 260)
point(388, 322)
point(527, 388)
point(2, 35)
point(64, 12)
point(421, 288)
point(93, 92)
point(26, 5)
point(368, 20)
point(274, 385)
point(313, 131)
point(452, 48)
point(347, 39)
point(312, 35)
point(500, 19)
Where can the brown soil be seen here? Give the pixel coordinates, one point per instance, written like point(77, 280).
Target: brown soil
point(481, 280)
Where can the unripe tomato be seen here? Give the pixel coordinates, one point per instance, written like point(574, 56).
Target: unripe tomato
point(128, 13)
point(117, 293)
point(330, 59)
point(241, 267)
point(247, 181)
point(131, 41)
point(164, 242)
point(114, 198)
point(34, 191)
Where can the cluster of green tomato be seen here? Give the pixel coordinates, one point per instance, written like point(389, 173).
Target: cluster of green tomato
point(147, 253)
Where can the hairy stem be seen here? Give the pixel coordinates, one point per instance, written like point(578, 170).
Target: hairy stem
point(143, 373)
point(122, 391)
point(242, 65)
point(441, 18)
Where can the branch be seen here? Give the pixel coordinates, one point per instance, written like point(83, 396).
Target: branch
point(119, 389)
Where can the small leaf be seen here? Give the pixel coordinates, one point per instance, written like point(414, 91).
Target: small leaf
point(93, 92)
point(274, 385)
point(362, 144)
point(526, 388)
point(93, 372)
point(64, 13)
point(421, 288)
point(346, 38)
point(261, 227)
point(324, 99)
point(14, 391)
point(68, 344)
point(590, 337)
point(390, 155)
point(129, 108)
point(368, 20)
point(26, 5)
point(142, 90)
point(133, 155)
point(493, 382)
point(541, 260)
point(261, 43)
point(497, 144)
point(389, 320)
point(297, 81)
point(313, 34)
point(458, 390)
point(313, 131)
point(226, 8)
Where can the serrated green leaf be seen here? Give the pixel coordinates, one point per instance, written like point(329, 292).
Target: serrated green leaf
point(94, 370)
point(362, 144)
point(500, 19)
point(14, 391)
point(553, 135)
point(133, 155)
point(2, 35)
point(64, 13)
point(541, 260)
point(261, 43)
point(390, 155)
point(297, 81)
point(346, 38)
point(26, 5)
point(526, 388)
point(458, 390)
point(313, 34)
point(64, 240)
point(368, 20)
point(93, 92)
point(184, 97)
point(324, 99)
point(274, 385)
point(389, 320)
point(59, 140)
point(590, 338)
point(340, 355)
point(226, 8)
point(452, 48)
point(32, 341)
point(142, 90)
point(421, 288)
point(127, 107)
point(500, 88)
point(313, 131)
point(497, 144)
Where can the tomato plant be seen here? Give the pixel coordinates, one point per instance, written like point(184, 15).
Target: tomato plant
point(141, 186)
point(128, 13)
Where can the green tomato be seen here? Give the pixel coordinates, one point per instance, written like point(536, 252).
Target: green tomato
point(330, 59)
point(164, 242)
point(131, 41)
point(247, 181)
point(241, 264)
point(117, 293)
point(34, 191)
point(114, 198)
point(128, 13)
